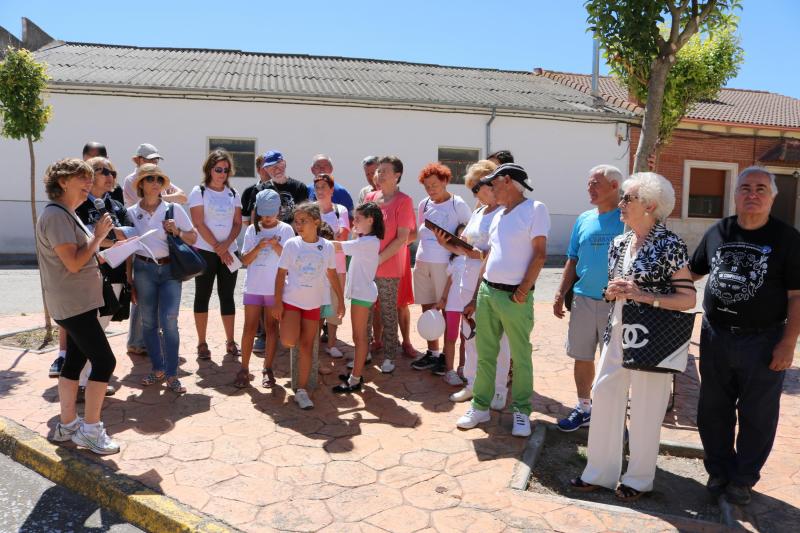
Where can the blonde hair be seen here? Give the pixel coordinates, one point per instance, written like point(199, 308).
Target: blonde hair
point(100, 160)
point(478, 171)
point(66, 168)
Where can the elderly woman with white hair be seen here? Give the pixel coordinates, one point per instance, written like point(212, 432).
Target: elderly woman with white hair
point(643, 263)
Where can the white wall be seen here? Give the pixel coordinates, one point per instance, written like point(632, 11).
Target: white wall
point(557, 154)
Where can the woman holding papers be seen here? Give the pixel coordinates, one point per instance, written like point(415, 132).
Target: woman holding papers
point(216, 211)
point(157, 293)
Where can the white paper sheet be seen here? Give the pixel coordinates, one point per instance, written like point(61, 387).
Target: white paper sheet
point(117, 254)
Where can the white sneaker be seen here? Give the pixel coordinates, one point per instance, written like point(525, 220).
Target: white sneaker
point(351, 363)
point(64, 432)
point(302, 399)
point(451, 378)
point(96, 439)
point(335, 352)
point(499, 401)
point(472, 418)
point(461, 396)
point(388, 366)
point(522, 425)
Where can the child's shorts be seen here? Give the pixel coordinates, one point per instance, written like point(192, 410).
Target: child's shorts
point(264, 300)
point(305, 314)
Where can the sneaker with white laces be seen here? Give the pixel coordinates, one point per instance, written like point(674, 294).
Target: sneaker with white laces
point(302, 399)
point(522, 425)
point(64, 432)
point(95, 438)
point(388, 366)
point(461, 396)
point(576, 419)
point(351, 363)
point(499, 401)
point(451, 378)
point(335, 352)
point(425, 362)
point(55, 368)
point(473, 417)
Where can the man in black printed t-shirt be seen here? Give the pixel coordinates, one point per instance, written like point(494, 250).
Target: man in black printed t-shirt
point(292, 191)
point(750, 328)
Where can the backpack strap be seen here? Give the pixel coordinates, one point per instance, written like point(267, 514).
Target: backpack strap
point(203, 190)
point(168, 214)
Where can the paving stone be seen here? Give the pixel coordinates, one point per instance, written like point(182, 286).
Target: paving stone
point(289, 455)
point(204, 473)
point(257, 469)
point(523, 519)
point(349, 474)
point(191, 451)
point(382, 459)
point(145, 449)
point(464, 519)
point(354, 505)
point(424, 459)
point(300, 475)
point(400, 477)
point(402, 519)
point(296, 515)
point(574, 518)
point(255, 491)
point(232, 511)
point(439, 492)
point(235, 450)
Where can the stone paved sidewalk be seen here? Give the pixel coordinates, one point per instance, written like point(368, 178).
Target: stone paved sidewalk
point(388, 459)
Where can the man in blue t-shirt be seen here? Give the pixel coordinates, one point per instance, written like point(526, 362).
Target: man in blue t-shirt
point(322, 164)
point(587, 269)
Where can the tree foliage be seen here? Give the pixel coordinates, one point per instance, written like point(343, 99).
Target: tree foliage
point(22, 81)
point(669, 54)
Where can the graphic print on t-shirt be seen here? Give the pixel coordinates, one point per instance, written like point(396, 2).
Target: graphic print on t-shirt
point(308, 266)
point(738, 270)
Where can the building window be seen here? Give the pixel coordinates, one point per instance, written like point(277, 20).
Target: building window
point(458, 160)
point(707, 192)
point(243, 152)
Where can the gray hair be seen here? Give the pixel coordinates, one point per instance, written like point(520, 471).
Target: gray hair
point(611, 173)
point(519, 187)
point(755, 169)
point(370, 160)
point(653, 189)
point(322, 157)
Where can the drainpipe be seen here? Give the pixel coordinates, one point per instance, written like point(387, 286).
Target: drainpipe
point(597, 99)
point(489, 132)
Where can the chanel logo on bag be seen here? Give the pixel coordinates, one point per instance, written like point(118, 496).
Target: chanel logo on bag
point(630, 335)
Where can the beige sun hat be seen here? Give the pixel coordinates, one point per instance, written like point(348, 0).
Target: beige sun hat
point(149, 169)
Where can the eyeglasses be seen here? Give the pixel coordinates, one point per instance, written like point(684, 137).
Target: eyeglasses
point(105, 172)
point(222, 170)
point(477, 187)
point(628, 198)
point(151, 179)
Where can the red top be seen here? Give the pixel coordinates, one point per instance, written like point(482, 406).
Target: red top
point(397, 213)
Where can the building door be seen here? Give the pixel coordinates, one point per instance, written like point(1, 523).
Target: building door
point(785, 205)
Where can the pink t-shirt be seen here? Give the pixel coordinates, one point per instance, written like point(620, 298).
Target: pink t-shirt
point(397, 213)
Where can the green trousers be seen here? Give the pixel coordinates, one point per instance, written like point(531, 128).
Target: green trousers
point(497, 314)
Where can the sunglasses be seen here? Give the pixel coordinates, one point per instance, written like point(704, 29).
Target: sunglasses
point(105, 172)
point(222, 170)
point(477, 187)
point(151, 179)
point(628, 198)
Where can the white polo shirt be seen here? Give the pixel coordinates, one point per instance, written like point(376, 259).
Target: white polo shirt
point(510, 237)
point(144, 222)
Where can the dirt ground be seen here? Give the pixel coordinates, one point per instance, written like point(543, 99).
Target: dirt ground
point(679, 488)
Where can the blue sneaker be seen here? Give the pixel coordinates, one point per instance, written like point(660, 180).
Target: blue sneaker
point(576, 419)
point(260, 345)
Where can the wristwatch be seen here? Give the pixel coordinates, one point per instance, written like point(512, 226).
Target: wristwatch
point(656, 302)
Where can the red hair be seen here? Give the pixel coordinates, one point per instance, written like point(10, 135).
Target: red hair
point(436, 169)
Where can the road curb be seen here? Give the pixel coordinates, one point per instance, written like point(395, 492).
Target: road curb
point(524, 467)
point(132, 500)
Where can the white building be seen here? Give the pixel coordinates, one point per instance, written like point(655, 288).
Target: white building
point(185, 101)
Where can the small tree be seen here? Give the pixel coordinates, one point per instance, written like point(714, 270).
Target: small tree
point(24, 113)
point(667, 66)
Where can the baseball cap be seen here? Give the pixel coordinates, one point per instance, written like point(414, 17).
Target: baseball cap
point(268, 203)
point(513, 171)
point(273, 157)
point(148, 151)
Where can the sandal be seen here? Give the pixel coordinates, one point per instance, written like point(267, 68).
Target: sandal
point(175, 386)
point(202, 351)
point(242, 379)
point(267, 378)
point(581, 486)
point(409, 351)
point(232, 349)
point(624, 493)
point(152, 378)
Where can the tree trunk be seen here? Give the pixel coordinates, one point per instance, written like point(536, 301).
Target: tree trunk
point(48, 325)
point(648, 140)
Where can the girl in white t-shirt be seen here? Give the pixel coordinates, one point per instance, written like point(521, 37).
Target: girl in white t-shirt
point(361, 289)
point(299, 284)
point(261, 250)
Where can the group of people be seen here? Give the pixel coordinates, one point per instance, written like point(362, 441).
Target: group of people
point(311, 255)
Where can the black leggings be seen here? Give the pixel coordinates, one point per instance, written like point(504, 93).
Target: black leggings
point(87, 340)
point(204, 284)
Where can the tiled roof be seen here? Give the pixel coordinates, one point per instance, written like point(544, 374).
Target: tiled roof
point(736, 106)
point(312, 76)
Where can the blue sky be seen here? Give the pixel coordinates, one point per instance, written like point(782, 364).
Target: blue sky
point(516, 35)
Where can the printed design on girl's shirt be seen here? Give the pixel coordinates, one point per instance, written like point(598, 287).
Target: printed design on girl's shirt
point(308, 266)
point(738, 270)
point(220, 206)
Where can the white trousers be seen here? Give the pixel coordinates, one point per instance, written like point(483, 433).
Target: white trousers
point(503, 364)
point(649, 395)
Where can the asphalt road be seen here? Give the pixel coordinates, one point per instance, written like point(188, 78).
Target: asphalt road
point(30, 503)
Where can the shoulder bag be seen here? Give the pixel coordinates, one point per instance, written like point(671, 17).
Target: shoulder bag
point(185, 263)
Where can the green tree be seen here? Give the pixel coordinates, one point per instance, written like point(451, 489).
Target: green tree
point(669, 54)
point(24, 113)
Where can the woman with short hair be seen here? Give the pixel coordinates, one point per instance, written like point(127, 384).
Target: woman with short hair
point(73, 291)
point(643, 262)
point(156, 291)
point(216, 211)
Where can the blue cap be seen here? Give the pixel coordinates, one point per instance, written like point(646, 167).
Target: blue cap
point(273, 157)
point(268, 203)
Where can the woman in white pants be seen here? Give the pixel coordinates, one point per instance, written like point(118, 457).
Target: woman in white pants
point(476, 233)
point(642, 263)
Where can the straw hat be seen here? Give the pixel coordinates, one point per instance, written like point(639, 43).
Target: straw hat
point(149, 169)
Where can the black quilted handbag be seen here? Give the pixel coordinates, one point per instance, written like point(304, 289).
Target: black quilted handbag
point(655, 339)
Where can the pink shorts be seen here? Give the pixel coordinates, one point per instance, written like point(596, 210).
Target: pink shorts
point(452, 325)
point(264, 300)
point(305, 314)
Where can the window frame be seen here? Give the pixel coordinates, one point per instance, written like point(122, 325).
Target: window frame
point(255, 151)
point(731, 169)
point(439, 148)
